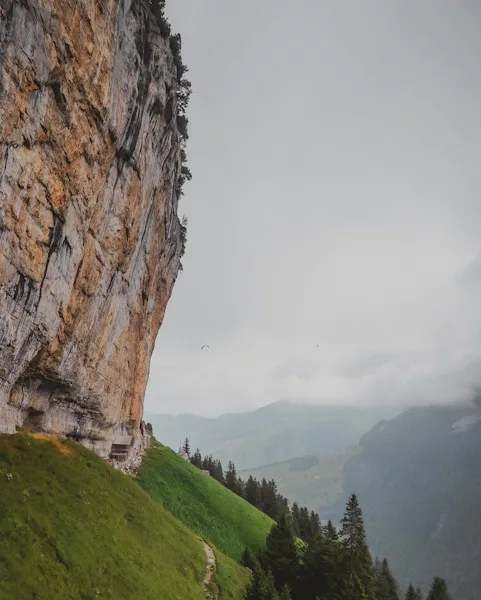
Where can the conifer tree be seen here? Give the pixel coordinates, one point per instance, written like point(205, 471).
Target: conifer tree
point(196, 459)
point(386, 586)
point(439, 590)
point(218, 473)
point(231, 477)
point(304, 523)
point(315, 523)
point(282, 506)
point(358, 560)
point(281, 556)
point(262, 586)
point(330, 532)
point(285, 593)
point(208, 464)
point(295, 518)
point(249, 560)
point(268, 495)
point(324, 571)
point(186, 447)
point(412, 594)
point(392, 587)
point(252, 491)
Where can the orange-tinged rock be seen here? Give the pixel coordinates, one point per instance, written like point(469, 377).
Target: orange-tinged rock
point(89, 161)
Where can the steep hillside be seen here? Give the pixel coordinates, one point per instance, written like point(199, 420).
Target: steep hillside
point(74, 528)
point(203, 504)
point(418, 478)
point(312, 481)
point(274, 433)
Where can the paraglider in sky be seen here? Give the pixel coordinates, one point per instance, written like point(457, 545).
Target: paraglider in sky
point(204, 348)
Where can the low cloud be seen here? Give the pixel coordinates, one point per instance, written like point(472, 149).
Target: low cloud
point(333, 246)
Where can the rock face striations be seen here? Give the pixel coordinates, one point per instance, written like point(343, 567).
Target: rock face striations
point(90, 241)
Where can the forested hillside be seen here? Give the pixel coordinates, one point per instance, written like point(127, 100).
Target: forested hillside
point(418, 478)
point(314, 481)
point(302, 558)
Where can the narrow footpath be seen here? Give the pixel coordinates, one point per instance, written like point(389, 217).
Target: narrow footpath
point(210, 589)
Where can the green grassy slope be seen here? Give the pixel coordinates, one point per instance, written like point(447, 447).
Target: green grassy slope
point(205, 506)
point(231, 579)
point(71, 527)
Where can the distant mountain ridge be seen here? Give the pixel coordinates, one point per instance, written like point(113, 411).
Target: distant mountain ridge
point(418, 479)
point(276, 432)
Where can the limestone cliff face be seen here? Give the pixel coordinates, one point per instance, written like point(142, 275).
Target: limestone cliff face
point(90, 241)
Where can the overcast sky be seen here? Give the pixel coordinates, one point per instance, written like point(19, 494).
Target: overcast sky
point(335, 209)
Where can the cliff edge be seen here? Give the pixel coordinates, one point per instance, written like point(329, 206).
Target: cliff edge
point(90, 240)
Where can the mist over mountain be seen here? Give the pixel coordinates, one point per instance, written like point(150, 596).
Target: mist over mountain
point(276, 432)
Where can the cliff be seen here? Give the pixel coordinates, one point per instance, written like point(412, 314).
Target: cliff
point(90, 241)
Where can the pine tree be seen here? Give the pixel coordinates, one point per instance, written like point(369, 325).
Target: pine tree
point(324, 574)
point(196, 459)
point(210, 464)
point(359, 562)
point(295, 518)
point(186, 448)
point(391, 584)
point(281, 556)
point(231, 477)
point(282, 506)
point(252, 491)
point(285, 593)
point(439, 590)
point(218, 473)
point(262, 586)
point(330, 532)
point(315, 523)
point(413, 594)
point(268, 498)
point(249, 560)
point(304, 523)
point(385, 585)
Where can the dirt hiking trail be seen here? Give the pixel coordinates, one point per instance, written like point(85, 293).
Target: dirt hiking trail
point(210, 566)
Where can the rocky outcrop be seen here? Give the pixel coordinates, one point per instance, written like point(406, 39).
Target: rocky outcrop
point(90, 241)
